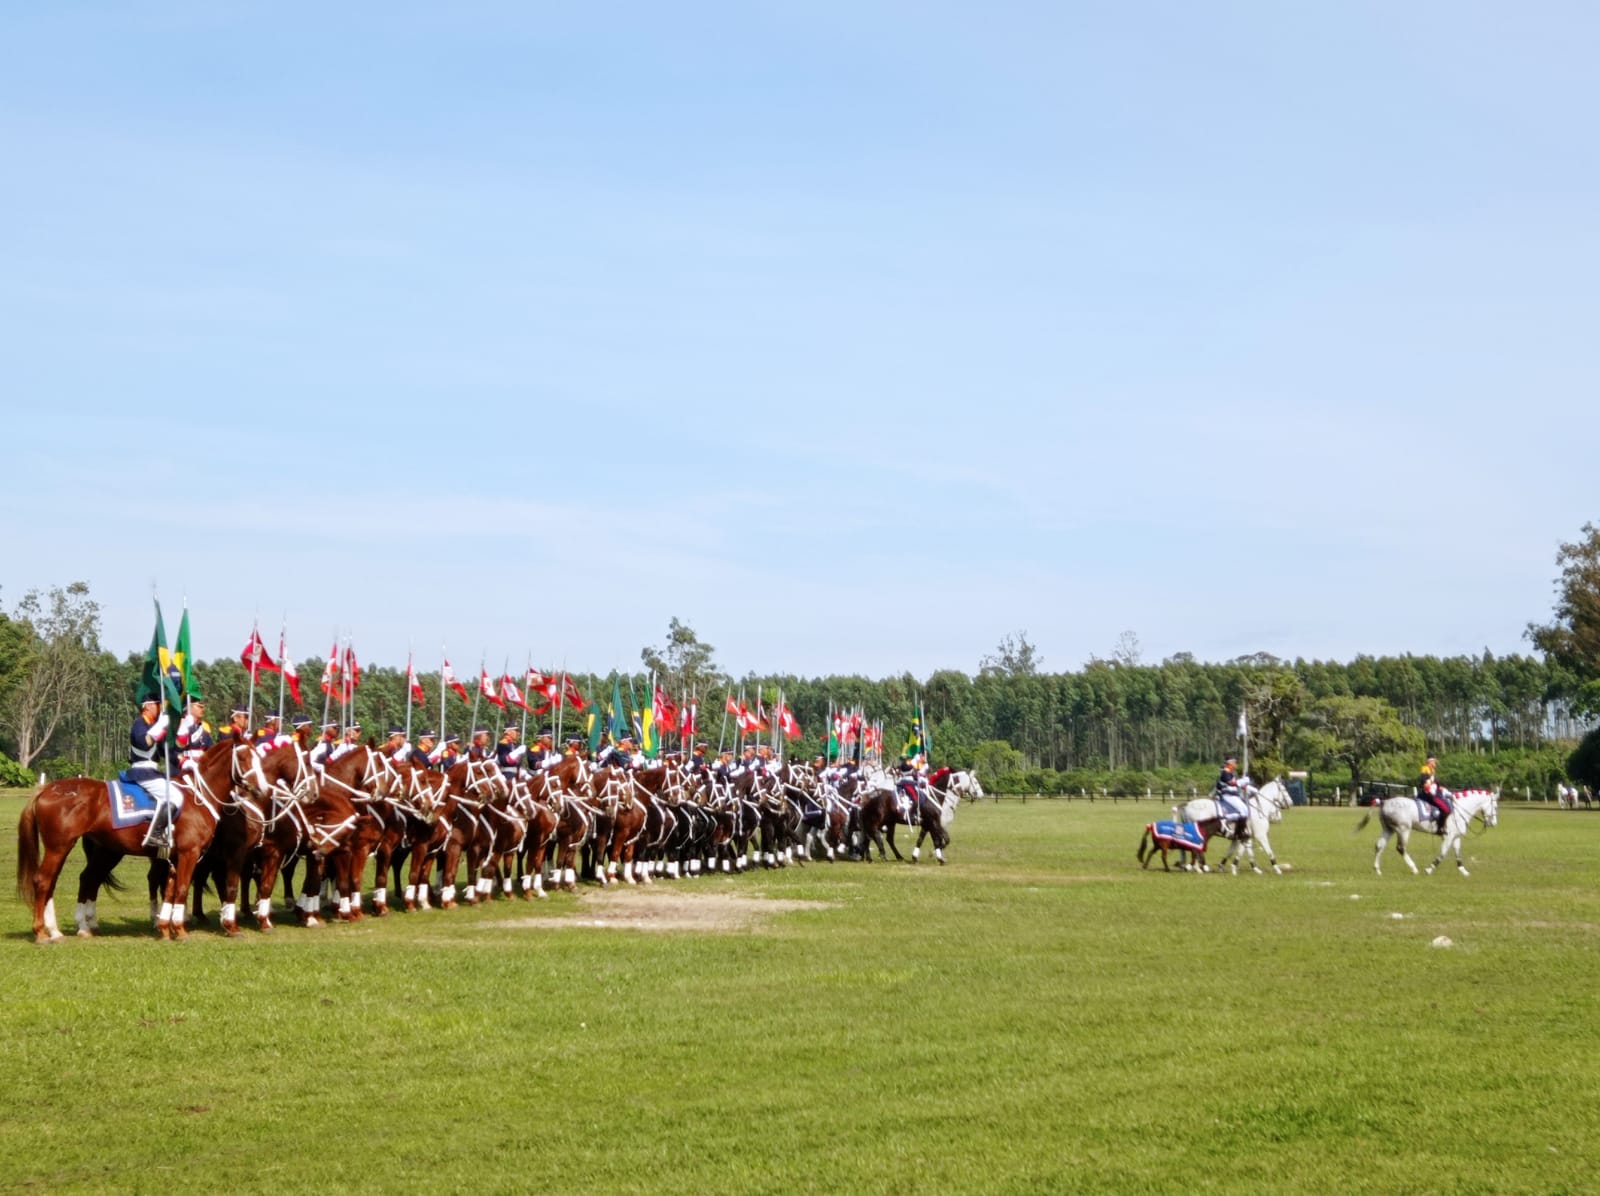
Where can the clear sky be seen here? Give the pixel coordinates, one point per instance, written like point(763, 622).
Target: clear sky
point(856, 335)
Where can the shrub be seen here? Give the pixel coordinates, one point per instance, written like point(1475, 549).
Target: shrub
point(14, 775)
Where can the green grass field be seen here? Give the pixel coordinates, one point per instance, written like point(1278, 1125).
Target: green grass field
point(1039, 1016)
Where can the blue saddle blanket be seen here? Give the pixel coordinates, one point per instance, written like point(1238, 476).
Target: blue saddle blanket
point(129, 803)
point(1181, 834)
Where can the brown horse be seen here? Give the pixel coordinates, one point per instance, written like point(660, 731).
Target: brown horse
point(63, 812)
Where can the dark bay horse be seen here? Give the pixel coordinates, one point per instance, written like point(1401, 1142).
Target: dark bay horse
point(65, 811)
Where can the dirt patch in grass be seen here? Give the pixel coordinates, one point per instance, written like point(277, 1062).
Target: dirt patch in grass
point(654, 909)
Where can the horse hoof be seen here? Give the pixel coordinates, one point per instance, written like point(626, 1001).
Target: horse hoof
point(180, 933)
point(265, 926)
point(84, 933)
point(312, 921)
point(356, 915)
point(231, 931)
point(44, 938)
point(163, 931)
point(380, 911)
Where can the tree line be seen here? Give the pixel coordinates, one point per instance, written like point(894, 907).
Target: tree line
point(66, 703)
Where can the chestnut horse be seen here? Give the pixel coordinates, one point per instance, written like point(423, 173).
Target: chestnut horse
point(66, 811)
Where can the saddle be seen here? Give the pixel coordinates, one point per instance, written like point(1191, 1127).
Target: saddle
point(1179, 834)
point(1429, 814)
point(130, 803)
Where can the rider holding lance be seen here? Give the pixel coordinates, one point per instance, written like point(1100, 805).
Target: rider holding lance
point(1230, 801)
point(149, 766)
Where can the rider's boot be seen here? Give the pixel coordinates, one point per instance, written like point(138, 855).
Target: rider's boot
point(159, 835)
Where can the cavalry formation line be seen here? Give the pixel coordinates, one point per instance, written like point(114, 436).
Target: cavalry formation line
point(249, 817)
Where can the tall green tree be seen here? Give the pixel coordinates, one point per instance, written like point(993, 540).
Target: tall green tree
point(1572, 638)
point(1351, 731)
point(54, 681)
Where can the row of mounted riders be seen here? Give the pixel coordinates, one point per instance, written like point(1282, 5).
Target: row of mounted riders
point(249, 817)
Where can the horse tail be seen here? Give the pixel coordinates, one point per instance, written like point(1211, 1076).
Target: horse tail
point(1143, 840)
point(27, 849)
point(1365, 818)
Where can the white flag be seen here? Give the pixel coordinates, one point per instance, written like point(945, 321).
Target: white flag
point(1244, 727)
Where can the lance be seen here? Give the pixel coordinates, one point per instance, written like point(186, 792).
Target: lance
point(327, 694)
point(505, 671)
point(525, 673)
point(283, 636)
point(444, 654)
point(561, 700)
point(255, 658)
point(472, 731)
point(411, 671)
point(722, 734)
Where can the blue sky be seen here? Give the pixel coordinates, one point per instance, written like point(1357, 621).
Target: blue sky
point(855, 335)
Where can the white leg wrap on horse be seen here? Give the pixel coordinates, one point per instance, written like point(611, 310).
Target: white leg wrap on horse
point(527, 882)
point(94, 915)
point(916, 853)
point(627, 872)
point(572, 876)
point(165, 917)
point(538, 883)
point(411, 893)
point(447, 894)
point(80, 917)
point(264, 908)
point(505, 886)
point(230, 913)
point(344, 907)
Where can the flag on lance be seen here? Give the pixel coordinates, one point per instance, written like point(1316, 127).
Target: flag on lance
point(787, 723)
point(486, 688)
point(290, 676)
point(414, 682)
point(509, 691)
point(666, 711)
point(330, 670)
point(448, 675)
point(352, 672)
point(691, 715)
point(254, 657)
point(571, 695)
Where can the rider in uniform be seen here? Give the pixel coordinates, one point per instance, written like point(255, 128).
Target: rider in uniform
point(450, 754)
point(1435, 794)
point(479, 748)
point(194, 733)
point(508, 753)
point(426, 754)
point(149, 765)
point(238, 727)
point(303, 727)
point(908, 787)
point(266, 738)
point(325, 745)
point(543, 755)
point(1230, 801)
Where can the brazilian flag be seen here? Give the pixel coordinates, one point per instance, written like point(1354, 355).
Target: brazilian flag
point(594, 726)
point(914, 740)
point(156, 678)
point(618, 713)
point(645, 719)
point(183, 661)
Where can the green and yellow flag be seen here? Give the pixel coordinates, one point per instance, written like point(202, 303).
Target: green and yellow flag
point(155, 678)
point(183, 661)
point(649, 737)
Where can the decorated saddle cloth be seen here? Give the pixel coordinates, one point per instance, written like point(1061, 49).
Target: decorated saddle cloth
point(129, 803)
point(1180, 834)
point(1428, 813)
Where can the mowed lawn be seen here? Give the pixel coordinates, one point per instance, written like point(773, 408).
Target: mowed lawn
point(1039, 1016)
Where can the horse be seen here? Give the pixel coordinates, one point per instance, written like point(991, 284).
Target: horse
point(961, 782)
point(63, 812)
point(1400, 815)
point(1266, 806)
point(1206, 813)
point(880, 811)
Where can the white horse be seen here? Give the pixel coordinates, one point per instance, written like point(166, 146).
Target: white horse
point(1264, 806)
point(1400, 815)
point(964, 783)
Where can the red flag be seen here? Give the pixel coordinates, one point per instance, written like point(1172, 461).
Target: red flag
point(254, 657)
point(290, 676)
point(733, 709)
point(508, 690)
point(352, 670)
point(486, 688)
point(412, 680)
point(691, 710)
point(450, 679)
point(330, 670)
point(666, 712)
point(761, 723)
point(746, 720)
point(787, 723)
point(535, 683)
point(571, 694)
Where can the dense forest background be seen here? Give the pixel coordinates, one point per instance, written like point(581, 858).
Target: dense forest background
point(1119, 724)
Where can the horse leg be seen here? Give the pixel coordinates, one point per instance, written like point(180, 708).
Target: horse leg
point(1401, 837)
